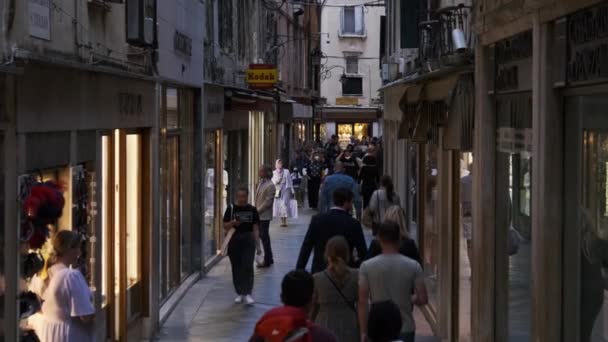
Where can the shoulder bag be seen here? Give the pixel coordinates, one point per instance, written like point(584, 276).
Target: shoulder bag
point(349, 303)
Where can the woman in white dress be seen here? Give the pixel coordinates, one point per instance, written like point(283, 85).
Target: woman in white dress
point(67, 311)
point(284, 192)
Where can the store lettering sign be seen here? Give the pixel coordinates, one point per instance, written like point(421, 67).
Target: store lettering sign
point(347, 101)
point(130, 104)
point(588, 45)
point(262, 76)
point(39, 12)
point(514, 140)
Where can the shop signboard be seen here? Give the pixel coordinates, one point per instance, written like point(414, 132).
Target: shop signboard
point(39, 12)
point(262, 76)
point(587, 58)
point(514, 140)
point(347, 101)
point(513, 58)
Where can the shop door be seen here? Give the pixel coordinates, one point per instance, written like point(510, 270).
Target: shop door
point(586, 220)
point(123, 219)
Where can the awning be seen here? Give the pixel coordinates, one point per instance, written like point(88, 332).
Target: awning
point(424, 107)
point(294, 110)
point(349, 114)
point(238, 99)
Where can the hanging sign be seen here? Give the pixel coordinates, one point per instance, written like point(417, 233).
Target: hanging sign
point(262, 76)
point(39, 12)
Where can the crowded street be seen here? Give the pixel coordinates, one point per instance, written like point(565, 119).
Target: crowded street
point(207, 313)
point(303, 170)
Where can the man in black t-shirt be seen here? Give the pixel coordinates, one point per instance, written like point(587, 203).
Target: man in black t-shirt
point(243, 245)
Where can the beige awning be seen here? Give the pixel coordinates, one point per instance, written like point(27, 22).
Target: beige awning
point(423, 105)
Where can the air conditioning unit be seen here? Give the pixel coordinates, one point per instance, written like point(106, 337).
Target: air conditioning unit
point(389, 71)
point(141, 22)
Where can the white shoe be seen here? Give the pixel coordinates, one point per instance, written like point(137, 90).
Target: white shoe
point(249, 300)
point(238, 299)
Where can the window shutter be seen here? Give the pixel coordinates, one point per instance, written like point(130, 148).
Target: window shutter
point(359, 26)
point(409, 11)
point(342, 20)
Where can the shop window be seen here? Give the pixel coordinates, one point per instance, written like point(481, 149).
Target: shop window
point(133, 208)
point(431, 227)
point(352, 86)
point(212, 209)
point(514, 165)
point(172, 109)
point(594, 235)
point(123, 173)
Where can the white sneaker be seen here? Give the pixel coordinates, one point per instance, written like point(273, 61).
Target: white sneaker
point(249, 300)
point(238, 299)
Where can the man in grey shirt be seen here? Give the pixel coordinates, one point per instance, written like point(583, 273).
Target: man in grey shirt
point(391, 276)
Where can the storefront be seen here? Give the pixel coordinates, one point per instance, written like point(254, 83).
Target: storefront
point(295, 119)
point(438, 121)
point(179, 244)
point(244, 145)
point(215, 186)
point(349, 122)
point(585, 202)
point(98, 145)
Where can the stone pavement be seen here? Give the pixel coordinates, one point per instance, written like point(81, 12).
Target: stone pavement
point(207, 312)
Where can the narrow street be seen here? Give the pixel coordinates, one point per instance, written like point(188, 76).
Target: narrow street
point(207, 311)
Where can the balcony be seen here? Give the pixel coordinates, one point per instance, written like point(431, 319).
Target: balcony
point(445, 37)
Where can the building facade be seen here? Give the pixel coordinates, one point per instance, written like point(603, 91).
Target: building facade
point(350, 70)
point(538, 142)
point(247, 125)
point(428, 115)
point(101, 97)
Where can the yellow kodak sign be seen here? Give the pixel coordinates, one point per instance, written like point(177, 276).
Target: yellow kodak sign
point(347, 101)
point(262, 76)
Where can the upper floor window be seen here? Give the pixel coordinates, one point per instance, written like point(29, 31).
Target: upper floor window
point(352, 21)
point(352, 64)
point(352, 86)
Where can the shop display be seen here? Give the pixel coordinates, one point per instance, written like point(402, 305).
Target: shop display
point(29, 304)
point(42, 204)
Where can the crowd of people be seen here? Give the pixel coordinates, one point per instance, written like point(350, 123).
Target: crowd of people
point(352, 292)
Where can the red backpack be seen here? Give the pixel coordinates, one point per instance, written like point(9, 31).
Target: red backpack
point(284, 324)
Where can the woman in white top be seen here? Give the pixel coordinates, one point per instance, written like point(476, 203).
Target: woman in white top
point(284, 193)
point(67, 311)
point(382, 199)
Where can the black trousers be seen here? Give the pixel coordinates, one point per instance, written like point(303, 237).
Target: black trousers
point(241, 251)
point(265, 237)
point(313, 192)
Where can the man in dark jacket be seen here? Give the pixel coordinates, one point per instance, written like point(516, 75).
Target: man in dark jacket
point(338, 221)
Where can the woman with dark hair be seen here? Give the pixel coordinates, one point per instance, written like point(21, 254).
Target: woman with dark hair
point(336, 292)
point(369, 175)
point(382, 199)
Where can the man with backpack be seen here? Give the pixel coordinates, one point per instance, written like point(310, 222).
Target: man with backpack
point(290, 323)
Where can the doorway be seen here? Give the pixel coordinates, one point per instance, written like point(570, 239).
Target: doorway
point(585, 273)
point(125, 224)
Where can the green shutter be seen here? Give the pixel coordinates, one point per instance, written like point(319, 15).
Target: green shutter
point(409, 10)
